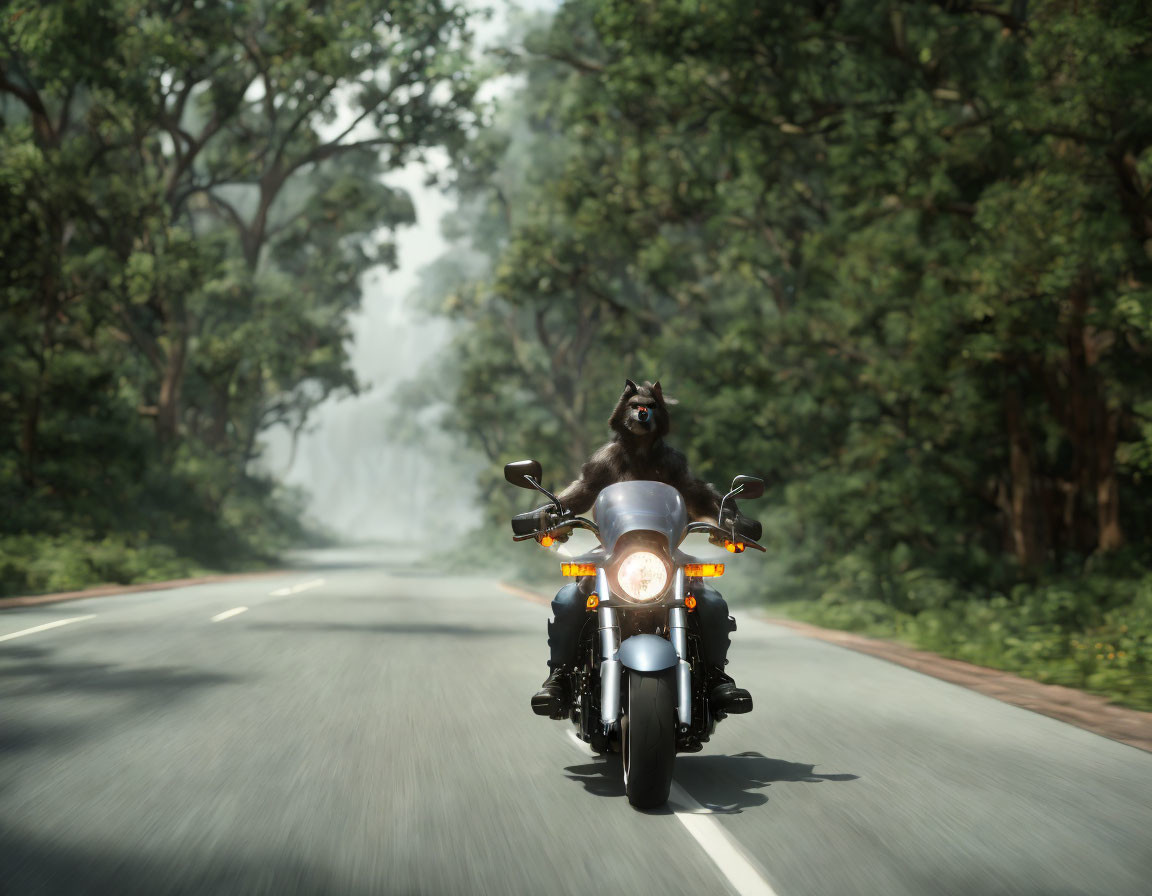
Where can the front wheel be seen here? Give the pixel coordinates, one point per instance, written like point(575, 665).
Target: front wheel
point(648, 737)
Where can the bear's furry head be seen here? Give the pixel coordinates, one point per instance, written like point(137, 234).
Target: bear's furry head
point(642, 411)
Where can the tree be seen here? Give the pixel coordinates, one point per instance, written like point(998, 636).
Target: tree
point(894, 253)
point(192, 191)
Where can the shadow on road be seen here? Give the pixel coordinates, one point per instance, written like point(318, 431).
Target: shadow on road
point(730, 784)
point(15, 737)
point(723, 784)
point(604, 776)
point(27, 671)
point(31, 671)
point(46, 864)
point(432, 629)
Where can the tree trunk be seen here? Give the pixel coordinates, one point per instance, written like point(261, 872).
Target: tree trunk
point(30, 437)
point(217, 435)
point(1022, 504)
point(50, 303)
point(1093, 429)
point(171, 386)
point(1111, 535)
point(1080, 420)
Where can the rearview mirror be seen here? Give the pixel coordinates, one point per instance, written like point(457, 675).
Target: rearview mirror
point(753, 487)
point(519, 471)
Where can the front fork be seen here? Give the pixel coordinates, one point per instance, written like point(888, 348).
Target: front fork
point(678, 634)
point(610, 670)
point(609, 665)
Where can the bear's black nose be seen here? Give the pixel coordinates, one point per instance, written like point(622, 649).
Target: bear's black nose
point(642, 415)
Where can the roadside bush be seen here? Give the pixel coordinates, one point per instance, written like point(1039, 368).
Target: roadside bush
point(1094, 633)
point(31, 564)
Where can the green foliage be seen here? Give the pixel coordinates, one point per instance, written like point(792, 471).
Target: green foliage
point(189, 195)
point(891, 257)
point(895, 257)
point(32, 564)
point(1092, 632)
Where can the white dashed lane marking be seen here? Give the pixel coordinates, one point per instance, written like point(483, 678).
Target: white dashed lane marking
point(44, 627)
point(228, 614)
point(296, 589)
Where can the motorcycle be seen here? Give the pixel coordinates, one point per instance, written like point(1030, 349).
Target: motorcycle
point(638, 686)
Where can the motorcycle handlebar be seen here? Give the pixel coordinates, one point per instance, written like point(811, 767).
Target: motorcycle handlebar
point(526, 523)
point(719, 536)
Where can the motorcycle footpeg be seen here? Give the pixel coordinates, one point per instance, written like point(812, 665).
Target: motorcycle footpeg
point(547, 705)
point(687, 743)
point(729, 700)
point(738, 705)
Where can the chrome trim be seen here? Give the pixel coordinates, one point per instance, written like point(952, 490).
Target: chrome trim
point(609, 665)
point(684, 694)
point(610, 672)
point(609, 632)
point(678, 635)
point(603, 589)
point(678, 631)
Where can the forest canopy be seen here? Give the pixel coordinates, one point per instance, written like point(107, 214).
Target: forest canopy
point(894, 257)
point(189, 193)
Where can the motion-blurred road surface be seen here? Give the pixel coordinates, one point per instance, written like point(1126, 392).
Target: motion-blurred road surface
point(361, 725)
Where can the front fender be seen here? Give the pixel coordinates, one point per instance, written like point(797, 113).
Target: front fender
point(647, 653)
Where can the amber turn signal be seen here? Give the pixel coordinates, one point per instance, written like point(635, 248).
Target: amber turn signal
point(593, 601)
point(547, 540)
point(734, 547)
point(690, 602)
point(703, 570)
point(578, 569)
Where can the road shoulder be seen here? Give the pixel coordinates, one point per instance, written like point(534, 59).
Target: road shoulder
point(34, 600)
point(1088, 711)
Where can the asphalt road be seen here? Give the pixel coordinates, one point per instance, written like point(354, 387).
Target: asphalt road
point(363, 727)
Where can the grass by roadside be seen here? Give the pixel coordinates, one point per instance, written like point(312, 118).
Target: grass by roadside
point(40, 564)
point(1072, 636)
point(33, 564)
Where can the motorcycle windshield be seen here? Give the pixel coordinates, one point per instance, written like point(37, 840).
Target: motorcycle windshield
point(640, 505)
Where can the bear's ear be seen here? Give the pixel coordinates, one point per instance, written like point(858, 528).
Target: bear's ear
point(616, 421)
point(660, 396)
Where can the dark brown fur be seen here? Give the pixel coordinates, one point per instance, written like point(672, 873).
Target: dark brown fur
point(638, 451)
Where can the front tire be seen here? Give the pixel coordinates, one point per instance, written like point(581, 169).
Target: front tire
point(648, 737)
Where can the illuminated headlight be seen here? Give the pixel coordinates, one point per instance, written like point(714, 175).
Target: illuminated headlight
point(642, 575)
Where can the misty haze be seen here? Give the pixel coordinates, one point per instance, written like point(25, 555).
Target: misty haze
point(576, 446)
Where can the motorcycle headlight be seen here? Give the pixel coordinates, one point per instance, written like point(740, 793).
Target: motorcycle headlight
point(642, 575)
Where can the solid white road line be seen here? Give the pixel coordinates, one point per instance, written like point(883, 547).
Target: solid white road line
point(228, 614)
point(296, 589)
point(745, 878)
point(730, 859)
point(44, 627)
